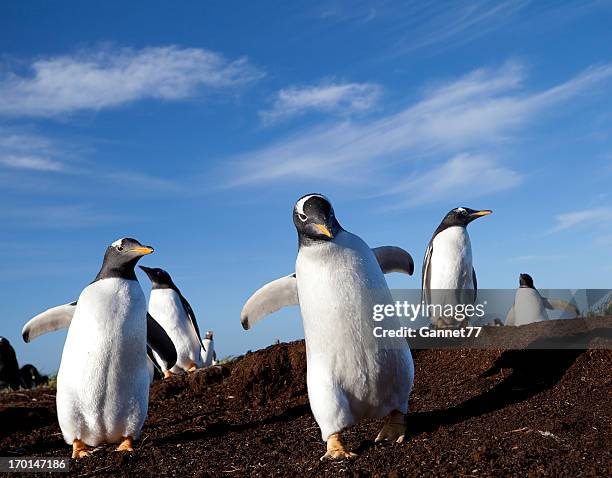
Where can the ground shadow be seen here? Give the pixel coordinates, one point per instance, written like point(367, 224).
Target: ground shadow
point(535, 369)
point(221, 428)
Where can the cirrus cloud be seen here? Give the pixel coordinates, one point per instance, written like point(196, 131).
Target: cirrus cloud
point(463, 119)
point(342, 98)
point(108, 78)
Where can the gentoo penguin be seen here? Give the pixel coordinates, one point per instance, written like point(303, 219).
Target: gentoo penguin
point(103, 379)
point(31, 377)
point(9, 369)
point(448, 275)
point(529, 306)
point(209, 356)
point(172, 311)
point(338, 280)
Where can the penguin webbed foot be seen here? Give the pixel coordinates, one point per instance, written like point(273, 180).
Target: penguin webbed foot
point(80, 449)
point(168, 374)
point(394, 428)
point(125, 445)
point(336, 449)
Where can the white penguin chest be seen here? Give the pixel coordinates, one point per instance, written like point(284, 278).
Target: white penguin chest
point(166, 307)
point(528, 306)
point(112, 312)
point(451, 260)
point(338, 284)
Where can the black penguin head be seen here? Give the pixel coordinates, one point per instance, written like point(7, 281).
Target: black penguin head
point(314, 219)
point(209, 335)
point(525, 280)
point(121, 258)
point(160, 279)
point(462, 216)
point(5, 344)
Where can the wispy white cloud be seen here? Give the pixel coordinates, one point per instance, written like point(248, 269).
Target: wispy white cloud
point(470, 114)
point(341, 98)
point(25, 152)
point(570, 220)
point(22, 150)
point(30, 162)
point(434, 24)
point(464, 176)
point(414, 25)
point(108, 78)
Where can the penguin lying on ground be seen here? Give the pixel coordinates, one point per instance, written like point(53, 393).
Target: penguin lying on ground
point(103, 380)
point(529, 306)
point(30, 377)
point(209, 356)
point(175, 315)
point(448, 275)
point(9, 368)
point(338, 279)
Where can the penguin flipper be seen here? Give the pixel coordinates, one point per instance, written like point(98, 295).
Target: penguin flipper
point(426, 274)
point(558, 304)
point(474, 283)
point(191, 314)
point(271, 297)
point(394, 259)
point(510, 318)
point(158, 340)
point(55, 318)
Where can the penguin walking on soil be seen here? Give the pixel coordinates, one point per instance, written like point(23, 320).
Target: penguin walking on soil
point(103, 379)
point(172, 311)
point(529, 306)
point(209, 356)
point(448, 275)
point(338, 280)
point(9, 368)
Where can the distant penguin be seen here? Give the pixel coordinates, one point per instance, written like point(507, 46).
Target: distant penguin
point(31, 377)
point(172, 311)
point(448, 274)
point(9, 368)
point(209, 356)
point(529, 306)
point(103, 379)
point(351, 374)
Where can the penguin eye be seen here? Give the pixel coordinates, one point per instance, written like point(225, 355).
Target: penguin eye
point(303, 217)
point(119, 248)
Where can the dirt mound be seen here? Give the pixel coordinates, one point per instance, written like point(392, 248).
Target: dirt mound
point(485, 412)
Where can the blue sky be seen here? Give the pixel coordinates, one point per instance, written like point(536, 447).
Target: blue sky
point(194, 128)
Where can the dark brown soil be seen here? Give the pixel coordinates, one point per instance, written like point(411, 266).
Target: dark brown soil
point(473, 413)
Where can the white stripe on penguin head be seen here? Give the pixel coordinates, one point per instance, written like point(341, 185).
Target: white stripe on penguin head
point(299, 206)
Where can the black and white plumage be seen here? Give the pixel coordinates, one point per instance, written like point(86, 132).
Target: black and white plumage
point(338, 279)
point(529, 305)
point(448, 275)
point(9, 367)
point(172, 311)
point(209, 355)
point(103, 380)
point(31, 377)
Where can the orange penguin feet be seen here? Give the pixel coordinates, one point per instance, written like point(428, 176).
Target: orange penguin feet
point(125, 445)
point(394, 428)
point(336, 449)
point(80, 449)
